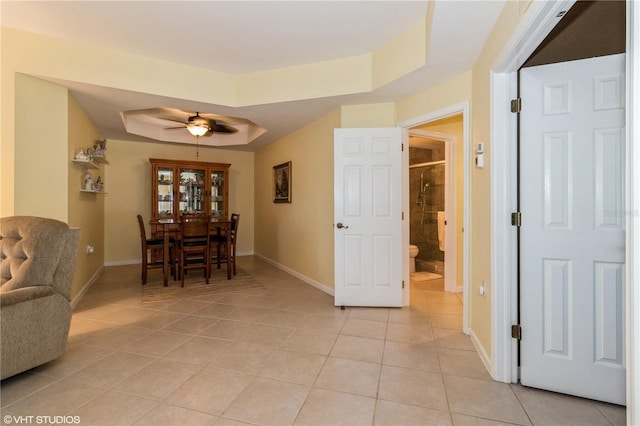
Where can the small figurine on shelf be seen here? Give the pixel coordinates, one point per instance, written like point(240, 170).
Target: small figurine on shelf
point(99, 185)
point(100, 148)
point(88, 182)
point(82, 155)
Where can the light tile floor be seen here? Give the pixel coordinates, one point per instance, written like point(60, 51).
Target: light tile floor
point(293, 358)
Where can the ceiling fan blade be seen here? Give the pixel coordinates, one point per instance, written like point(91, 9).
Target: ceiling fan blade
point(175, 120)
point(173, 128)
point(221, 128)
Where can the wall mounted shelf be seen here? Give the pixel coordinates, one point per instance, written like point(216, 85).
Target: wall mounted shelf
point(87, 164)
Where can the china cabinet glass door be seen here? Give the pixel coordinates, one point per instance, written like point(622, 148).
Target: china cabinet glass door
point(217, 193)
point(192, 190)
point(164, 179)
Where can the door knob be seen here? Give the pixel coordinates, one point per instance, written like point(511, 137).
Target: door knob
point(340, 226)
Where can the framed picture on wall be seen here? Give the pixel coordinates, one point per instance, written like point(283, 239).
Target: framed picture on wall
point(282, 183)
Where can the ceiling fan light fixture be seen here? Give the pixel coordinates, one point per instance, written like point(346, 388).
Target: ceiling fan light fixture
point(198, 129)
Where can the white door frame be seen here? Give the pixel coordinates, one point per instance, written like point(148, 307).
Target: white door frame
point(538, 21)
point(450, 205)
point(460, 108)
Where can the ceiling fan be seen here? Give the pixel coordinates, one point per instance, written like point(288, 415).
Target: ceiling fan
point(202, 126)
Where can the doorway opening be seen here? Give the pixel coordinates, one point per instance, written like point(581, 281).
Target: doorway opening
point(436, 185)
point(427, 207)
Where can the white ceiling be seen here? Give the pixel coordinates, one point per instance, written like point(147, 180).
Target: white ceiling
point(249, 36)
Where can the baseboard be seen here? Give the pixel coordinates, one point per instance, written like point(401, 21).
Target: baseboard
point(123, 262)
point(296, 274)
point(486, 360)
point(76, 299)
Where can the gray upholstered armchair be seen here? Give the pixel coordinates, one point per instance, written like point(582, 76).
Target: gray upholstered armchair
point(37, 262)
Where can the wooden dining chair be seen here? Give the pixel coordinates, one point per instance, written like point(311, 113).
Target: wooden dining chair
point(153, 252)
point(193, 246)
point(220, 243)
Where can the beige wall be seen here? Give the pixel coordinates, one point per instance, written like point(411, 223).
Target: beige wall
point(47, 182)
point(129, 192)
point(480, 194)
point(41, 149)
point(86, 210)
point(299, 235)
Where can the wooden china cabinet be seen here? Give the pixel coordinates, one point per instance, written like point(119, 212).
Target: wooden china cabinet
point(188, 187)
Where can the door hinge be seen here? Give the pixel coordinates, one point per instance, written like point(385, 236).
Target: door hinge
point(402, 215)
point(516, 219)
point(402, 283)
point(402, 145)
point(516, 331)
point(516, 105)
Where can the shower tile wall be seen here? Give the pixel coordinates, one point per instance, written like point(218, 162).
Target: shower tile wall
point(424, 219)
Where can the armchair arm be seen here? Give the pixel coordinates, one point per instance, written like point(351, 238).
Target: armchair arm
point(24, 294)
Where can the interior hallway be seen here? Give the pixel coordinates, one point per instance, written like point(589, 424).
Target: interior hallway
point(279, 355)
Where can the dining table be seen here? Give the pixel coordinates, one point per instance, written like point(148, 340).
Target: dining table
point(171, 226)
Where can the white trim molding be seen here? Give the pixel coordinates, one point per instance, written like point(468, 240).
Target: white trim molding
point(459, 108)
point(632, 296)
point(504, 243)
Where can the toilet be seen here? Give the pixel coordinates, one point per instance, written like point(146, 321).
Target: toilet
point(413, 252)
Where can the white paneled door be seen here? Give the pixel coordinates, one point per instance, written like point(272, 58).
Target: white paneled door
point(368, 217)
point(572, 163)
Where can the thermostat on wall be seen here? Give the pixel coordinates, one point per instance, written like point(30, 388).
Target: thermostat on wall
point(480, 155)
